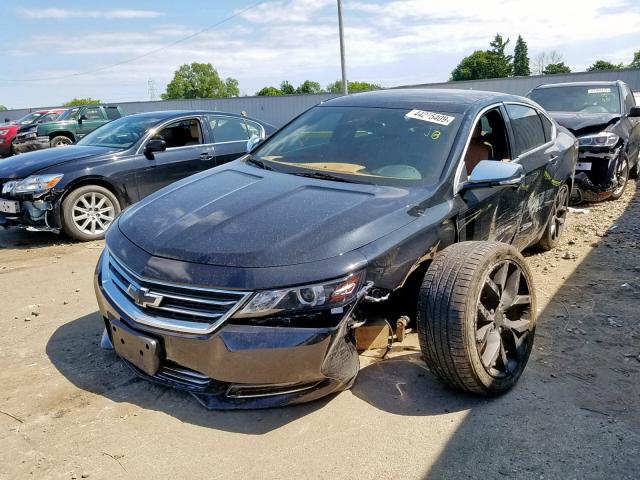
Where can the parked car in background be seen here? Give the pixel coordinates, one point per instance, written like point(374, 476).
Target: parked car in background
point(9, 130)
point(245, 284)
point(82, 188)
point(606, 120)
point(67, 129)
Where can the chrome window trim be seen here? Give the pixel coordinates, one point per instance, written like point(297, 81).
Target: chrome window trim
point(148, 136)
point(138, 314)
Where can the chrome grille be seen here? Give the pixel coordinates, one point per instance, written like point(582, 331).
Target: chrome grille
point(183, 377)
point(166, 305)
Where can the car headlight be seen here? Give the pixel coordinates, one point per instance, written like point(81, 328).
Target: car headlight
point(318, 296)
point(602, 139)
point(3, 132)
point(35, 184)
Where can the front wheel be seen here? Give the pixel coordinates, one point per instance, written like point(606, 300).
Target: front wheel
point(88, 211)
point(622, 176)
point(477, 316)
point(61, 141)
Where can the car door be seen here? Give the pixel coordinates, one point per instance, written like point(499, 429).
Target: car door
point(538, 155)
point(488, 213)
point(188, 151)
point(91, 118)
point(230, 136)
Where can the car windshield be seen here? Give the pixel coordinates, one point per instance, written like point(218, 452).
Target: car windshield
point(364, 144)
point(49, 117)
point(579, 99)
point(29, 119)
point(121, 133)
point(71, 114)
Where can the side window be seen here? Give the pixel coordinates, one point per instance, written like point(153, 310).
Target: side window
point(112, 113)
point(228, 129)
point(93, 113)
point(253, 128)
point(547, 126)
point(488, 140)
point(183, 133)
point(629, 100)
point(527, 128)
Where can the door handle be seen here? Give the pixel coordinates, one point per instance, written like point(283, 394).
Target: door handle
point(206, 156)
point(553, 159)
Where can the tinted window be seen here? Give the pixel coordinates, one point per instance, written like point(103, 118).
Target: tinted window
point(629, 101)
point(182, 133)
point(93, 114)
point(122, 133)
point(228, 129)
point(71, 114)
point(527, 128)
point(547, 127)
point(376, 145)
point(112, 113)
point(254, 129)
point(585, 99)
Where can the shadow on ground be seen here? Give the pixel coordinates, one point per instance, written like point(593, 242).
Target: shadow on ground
point(21, 239)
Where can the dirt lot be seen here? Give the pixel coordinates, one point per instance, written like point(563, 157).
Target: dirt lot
point(71, 410)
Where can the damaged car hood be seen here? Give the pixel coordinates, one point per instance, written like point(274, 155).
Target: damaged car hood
point(242, 216)
point(578, 121)
point(26, 164)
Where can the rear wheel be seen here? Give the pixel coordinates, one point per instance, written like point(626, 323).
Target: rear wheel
point(622, 175)
point(88, 211)
point(551, 236)
point(61, 141)
point(476, 316)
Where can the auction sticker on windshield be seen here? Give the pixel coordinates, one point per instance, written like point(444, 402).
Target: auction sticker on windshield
point(599, 90)
point(439, 118)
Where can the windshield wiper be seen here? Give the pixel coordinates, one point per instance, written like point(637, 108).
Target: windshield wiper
point(258, 162)
point(328, 176)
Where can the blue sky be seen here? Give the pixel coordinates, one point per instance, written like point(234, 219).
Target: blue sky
point(388, 42)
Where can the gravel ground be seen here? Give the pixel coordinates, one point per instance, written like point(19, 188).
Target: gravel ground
point(70, 410)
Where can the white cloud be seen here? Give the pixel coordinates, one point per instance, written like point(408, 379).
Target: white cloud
point(63, 14)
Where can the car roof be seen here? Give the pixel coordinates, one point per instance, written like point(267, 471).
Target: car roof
point(436, 99)
point(605, 83)
point(168, 114)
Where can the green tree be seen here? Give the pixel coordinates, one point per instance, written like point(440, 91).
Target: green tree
point(635, 63)
point(502, 60)
point(309, 87)
point(200, 80)
point(521, 59)
point(554, 68)
point(81, 101)
point(604, 65)
point(480, 64)
point(269, 92)
point(286, 88)
point(354, 87)
point(3, 108)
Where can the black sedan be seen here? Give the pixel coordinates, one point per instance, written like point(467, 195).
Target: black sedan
point(82, 188)
point(244, 284)
point(606, 120)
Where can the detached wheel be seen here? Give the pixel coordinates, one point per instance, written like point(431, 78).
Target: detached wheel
point(88, 211)
point(553, 231)
point(622, 176)
point(477, 316)
point(61, 141)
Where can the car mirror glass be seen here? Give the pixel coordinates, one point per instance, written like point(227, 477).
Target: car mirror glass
point(491, 174)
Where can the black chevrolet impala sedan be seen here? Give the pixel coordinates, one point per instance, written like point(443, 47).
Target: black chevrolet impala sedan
point(82, 188)
point(246, 284)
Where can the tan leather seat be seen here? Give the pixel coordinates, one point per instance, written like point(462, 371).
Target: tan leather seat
point(195, 135)
point(478, 150)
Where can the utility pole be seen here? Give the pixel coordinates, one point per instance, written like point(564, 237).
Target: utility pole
point(152, 90)
point(345, 85)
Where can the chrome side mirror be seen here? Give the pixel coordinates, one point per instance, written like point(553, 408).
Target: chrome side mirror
point(493, 174)
point(253, 142)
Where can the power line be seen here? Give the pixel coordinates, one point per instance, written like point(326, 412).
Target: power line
point(137, 57)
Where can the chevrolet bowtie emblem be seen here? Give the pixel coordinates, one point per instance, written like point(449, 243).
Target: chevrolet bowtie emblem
point(143, 297)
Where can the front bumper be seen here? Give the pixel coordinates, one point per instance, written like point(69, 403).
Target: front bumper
point(239, 366)
point(31, 145)
point(599, 181)
point(35, 214)
point(5, 146)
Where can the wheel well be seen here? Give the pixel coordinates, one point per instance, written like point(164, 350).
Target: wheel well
point(69, 135)
point(94, 181)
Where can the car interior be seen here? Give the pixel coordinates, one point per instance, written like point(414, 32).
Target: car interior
point(181, 134)
point(229, 130)
point(488, 141)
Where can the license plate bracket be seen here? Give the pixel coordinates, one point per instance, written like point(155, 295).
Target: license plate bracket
point(139, 349)
point(9, 206)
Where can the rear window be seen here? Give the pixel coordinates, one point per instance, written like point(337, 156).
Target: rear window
point(579, 99)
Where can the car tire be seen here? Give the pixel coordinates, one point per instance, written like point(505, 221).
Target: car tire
point(477, 316)
point(61, 141)
point(622, 176)
point(88, 211)
point(558, 217)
